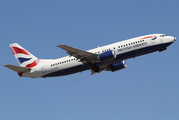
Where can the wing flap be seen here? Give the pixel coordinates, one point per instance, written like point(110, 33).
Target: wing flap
point(17, 68)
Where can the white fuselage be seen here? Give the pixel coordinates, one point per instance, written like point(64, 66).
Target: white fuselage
point(124, 50)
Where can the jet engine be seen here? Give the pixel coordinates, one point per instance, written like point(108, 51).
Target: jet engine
point(117, 66)
point(107, 56)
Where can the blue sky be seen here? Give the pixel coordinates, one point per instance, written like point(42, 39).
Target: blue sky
point(146, 89)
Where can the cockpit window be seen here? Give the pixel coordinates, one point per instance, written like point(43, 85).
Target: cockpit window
point(163, 35)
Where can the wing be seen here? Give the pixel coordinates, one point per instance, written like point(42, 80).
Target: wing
point(84, 56)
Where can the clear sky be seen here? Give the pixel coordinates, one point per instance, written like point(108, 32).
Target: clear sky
point(148, 89)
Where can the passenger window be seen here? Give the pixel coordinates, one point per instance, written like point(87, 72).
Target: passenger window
point(118, 46)
point(126, 44)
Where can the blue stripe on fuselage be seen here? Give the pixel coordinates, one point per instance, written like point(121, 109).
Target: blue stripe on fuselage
point(68, 71)
point(120, 57)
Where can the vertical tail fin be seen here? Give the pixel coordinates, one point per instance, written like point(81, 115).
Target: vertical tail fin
point(23, 57)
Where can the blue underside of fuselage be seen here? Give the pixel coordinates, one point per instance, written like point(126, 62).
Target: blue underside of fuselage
point(119, 57)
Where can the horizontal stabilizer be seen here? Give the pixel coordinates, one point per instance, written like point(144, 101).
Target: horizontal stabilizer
point(17, 68)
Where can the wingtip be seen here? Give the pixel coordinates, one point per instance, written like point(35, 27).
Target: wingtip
point(5, 65)
point(60, 45)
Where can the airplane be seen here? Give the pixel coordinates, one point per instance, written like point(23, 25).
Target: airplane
point(109, 58)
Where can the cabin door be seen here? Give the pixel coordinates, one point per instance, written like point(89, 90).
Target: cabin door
point(43, 69)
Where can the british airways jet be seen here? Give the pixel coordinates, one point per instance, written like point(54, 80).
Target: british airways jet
point(109, 58)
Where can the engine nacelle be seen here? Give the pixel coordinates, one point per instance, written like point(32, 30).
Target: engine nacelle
point(117, 66)
point(107, 56)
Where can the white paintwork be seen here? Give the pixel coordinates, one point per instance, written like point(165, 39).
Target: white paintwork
point(47, 66)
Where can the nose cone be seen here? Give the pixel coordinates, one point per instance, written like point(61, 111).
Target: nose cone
point(175, 39)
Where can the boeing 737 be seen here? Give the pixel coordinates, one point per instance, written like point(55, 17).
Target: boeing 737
point(109, 58)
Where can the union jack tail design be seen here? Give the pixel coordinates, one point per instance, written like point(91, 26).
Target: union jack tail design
point(23, 57)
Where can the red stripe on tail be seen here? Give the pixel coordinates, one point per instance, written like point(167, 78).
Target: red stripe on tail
point(32, 64)
point(19, 50)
